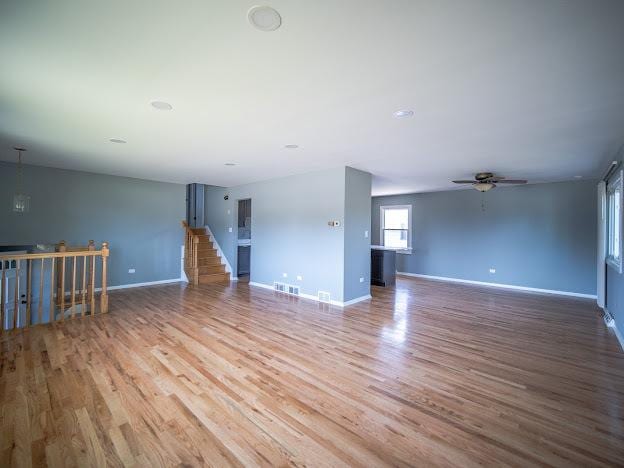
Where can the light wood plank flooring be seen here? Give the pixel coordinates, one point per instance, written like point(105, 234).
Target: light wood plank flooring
point(428, 374)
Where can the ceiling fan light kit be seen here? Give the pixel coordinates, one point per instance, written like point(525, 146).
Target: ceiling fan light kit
point(486, 181)
point(483, 186)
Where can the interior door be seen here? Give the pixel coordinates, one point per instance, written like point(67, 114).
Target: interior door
point(601, 286)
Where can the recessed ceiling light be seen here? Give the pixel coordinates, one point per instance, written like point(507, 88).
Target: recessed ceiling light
point(403, 113)
point(291, 146)
point(230, 164)
point(161, 105)
point(264, 18)
point(117, 140)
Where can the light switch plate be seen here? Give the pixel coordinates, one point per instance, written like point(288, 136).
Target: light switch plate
point(299, 278)
point(492, 270)
point(131, 270)
point(366, 234)
point(285, 275)
point(361, 279)
point(229, 229)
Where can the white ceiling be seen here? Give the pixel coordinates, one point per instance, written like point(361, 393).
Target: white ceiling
point(527, 88)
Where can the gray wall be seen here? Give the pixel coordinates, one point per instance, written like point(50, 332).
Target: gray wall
point(289, 229)
point(539, 236)
point(615, 289)
point(357, 220)
point(140, 219)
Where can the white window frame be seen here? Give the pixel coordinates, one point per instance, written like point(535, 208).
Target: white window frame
point(408, 250)
point(612, 188)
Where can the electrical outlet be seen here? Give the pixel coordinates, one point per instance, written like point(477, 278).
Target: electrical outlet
point(229, 211)
point(131, 270)
point(492, 270)
point(299, 278)
point(366, 234)
point(361, 279)
point(285, 275)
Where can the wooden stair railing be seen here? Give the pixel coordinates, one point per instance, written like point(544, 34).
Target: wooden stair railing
point(202, 263)
point(69, 274)
point(191, 241)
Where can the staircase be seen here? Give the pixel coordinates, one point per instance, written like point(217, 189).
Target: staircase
point(202, 263)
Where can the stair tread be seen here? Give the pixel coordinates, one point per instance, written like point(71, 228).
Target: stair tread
point(214, 277)
point(209, 261)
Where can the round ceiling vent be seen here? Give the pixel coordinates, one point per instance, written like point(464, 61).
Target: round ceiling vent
point(161, 105)
point(264, 18)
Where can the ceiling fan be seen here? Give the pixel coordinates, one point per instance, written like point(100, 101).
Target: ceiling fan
point(485, 181)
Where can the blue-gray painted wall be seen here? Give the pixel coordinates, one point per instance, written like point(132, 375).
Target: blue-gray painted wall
point(539, 236)
point(289, 229)
point(139, 218)
point(357, 221)
point(615, 289)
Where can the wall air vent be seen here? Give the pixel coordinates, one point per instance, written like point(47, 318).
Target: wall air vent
point(324, 296)
point(280, 287)
point(286, 288)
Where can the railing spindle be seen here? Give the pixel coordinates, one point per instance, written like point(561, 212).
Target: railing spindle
point(2, 296)
point(73, 290)
point(41, 274)
point(64, 260)
point(92, 298)
point(13, 321)
point(91, 279)
point(60, 273)
point(28, 292)
point(52, 316)
point(84, 284)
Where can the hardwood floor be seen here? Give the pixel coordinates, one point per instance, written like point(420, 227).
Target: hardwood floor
point(428, 374)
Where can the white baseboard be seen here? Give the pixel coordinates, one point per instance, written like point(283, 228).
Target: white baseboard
point(314, 298)
point(139, 285)
point(357, 299)
point(613, 325)
point(500, 285)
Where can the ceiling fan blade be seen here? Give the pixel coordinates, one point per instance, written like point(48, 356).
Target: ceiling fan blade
point(463, 181)
point(511, 181)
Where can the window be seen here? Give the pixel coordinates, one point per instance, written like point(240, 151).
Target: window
point(614, 223)
point(396, 227)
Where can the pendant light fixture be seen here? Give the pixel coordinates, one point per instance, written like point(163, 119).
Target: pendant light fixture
point(21, 201)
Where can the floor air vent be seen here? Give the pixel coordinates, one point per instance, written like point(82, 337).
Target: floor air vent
point(608, 319)
point(324, 296)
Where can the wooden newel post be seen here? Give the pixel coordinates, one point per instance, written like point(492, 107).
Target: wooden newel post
point(104, 294)
point(195, 261)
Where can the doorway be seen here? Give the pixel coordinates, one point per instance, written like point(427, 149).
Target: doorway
point(244, 239)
